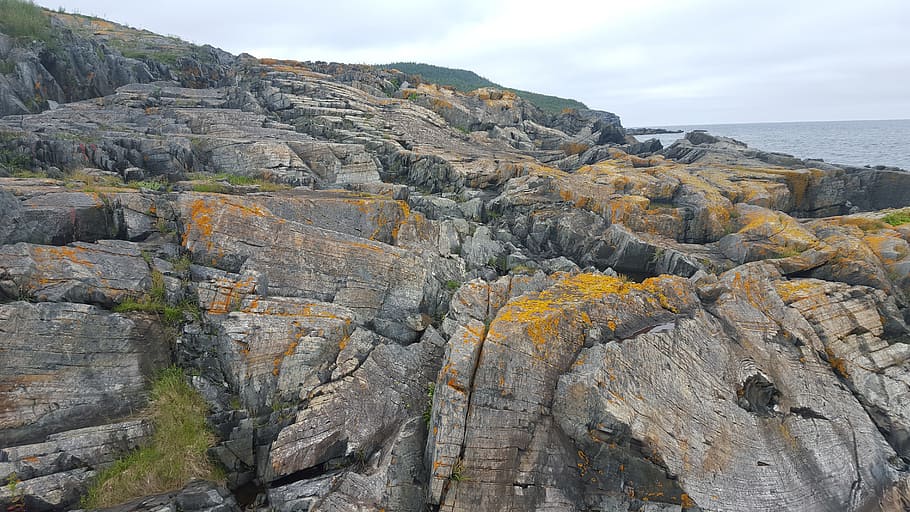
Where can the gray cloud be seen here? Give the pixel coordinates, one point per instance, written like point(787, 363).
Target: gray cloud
point(651, 61)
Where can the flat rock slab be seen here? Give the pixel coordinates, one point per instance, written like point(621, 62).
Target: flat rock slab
point(298, 260)
point(102, 273)
point(72, 365)
point(90, 446)
point(55, 217)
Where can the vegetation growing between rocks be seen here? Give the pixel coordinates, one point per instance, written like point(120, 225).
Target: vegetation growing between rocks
point(176, 455)
point(212, 183)
point(24, 21)
point(428, 410)
point(155, 302)
point(898, 218)
point(13, 161)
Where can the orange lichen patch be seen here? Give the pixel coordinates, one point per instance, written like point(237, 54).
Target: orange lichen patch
point(453, 383)
point(344, 341)
point(888, 245)
point(534, 169)
point(477, 333)
point(230, 294)
point(543, 315)
point(45, 254)
point(751, 288)
point(200, 220)
point(839, 364)
point(584, 464)
point(686, 502)
point(287, 66)
point(777, 228)
point(495, 97)
point(439, 103)
point(796, 289)
point(798, 181)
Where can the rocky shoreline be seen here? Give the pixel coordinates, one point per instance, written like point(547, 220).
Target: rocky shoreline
point(411, 298)
point(650, 131)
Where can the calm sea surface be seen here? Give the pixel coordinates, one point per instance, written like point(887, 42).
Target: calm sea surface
point(840, 142)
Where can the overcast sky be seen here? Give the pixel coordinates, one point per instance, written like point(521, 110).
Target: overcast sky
point(653, 62)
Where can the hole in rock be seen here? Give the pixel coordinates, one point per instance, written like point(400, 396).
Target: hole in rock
point(758, 395)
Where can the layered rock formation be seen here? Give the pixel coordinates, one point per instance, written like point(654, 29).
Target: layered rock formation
point(410, 298)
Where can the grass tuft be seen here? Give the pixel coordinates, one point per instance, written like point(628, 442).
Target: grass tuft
point(176, 454)
point(155, 301)
point(428, 410)
point(458, 471)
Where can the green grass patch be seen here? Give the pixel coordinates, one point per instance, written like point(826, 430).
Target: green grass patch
point(155, 302)
point(428, 409)
point(216, 188)
point(89, 182)
point(236, 180)
point(898, 218)
point(176, 454)
point(182, 264)
point(22, 173)
point(24, 21)
point(14, 161)
point(155, 185)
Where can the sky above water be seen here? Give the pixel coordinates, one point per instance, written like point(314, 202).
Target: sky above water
point(653, 62)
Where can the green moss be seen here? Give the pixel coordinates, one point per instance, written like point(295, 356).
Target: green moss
point(176, 454)
point(452, 285)
point(898, 218)
point(7, 66)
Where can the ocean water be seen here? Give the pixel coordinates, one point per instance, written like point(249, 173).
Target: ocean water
point(839, 142)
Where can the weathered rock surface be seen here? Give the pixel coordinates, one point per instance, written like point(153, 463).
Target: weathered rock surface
point(355, 414)
point(299, 260)
point(101, 273)
point(72, 365)
point(404, 297)
point(197, 496)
